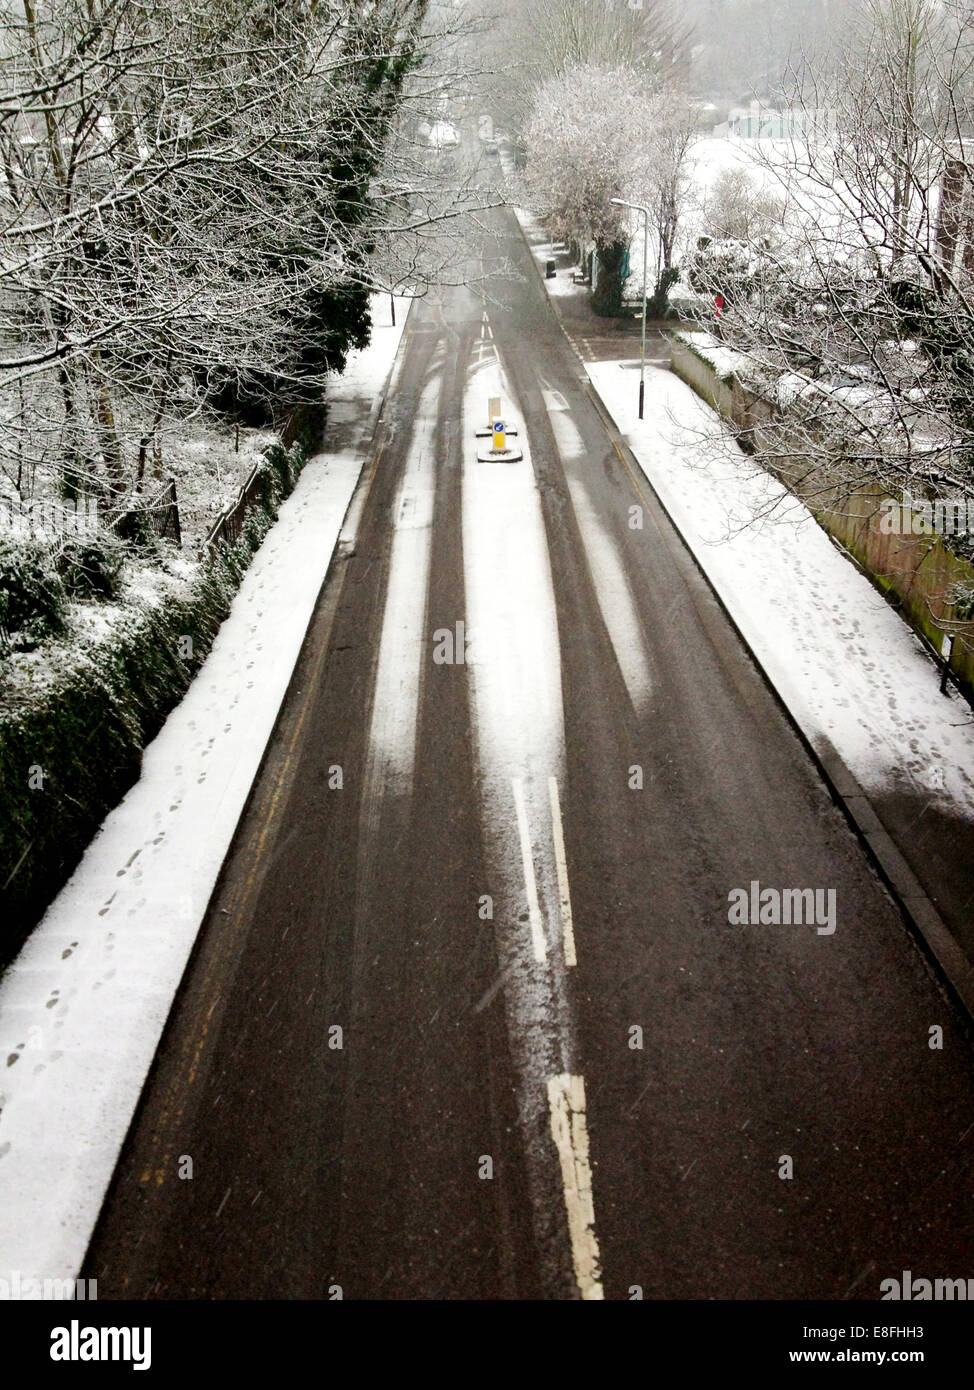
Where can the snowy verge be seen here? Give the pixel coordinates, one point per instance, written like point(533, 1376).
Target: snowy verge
point(846, 665)
point(725, 361)
point(83, 1007)
point(856, 680)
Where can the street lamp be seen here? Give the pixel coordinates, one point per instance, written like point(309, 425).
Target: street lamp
point(638, 207)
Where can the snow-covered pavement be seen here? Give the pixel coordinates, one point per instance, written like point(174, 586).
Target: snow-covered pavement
point(83, 1007)
point(847, 666)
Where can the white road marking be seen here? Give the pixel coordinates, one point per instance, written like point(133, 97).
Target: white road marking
point(564, 893)
point(554, 400)
point(518, 722)
point(566, 1102)
point(527, 860)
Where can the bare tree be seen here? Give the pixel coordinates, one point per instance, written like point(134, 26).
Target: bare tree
point(858, 323)
point(188, 216)
point(539, 41)
point(740, 207)
point(659, 176)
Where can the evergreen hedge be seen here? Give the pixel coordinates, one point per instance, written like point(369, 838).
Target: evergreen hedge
point(68, 756)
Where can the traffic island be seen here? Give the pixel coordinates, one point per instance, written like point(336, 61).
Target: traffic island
point(499, 449)
point(488, 452)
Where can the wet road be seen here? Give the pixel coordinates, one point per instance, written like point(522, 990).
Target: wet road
point(467, 1018)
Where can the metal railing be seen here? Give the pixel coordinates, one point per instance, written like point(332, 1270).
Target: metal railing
point(229, 524)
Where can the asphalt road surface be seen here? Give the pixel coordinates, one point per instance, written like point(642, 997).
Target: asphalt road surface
point(561, 1071)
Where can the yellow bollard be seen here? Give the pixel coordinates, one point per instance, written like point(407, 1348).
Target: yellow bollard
point(498, 428)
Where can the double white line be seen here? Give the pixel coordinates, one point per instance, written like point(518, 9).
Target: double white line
point(538, 939)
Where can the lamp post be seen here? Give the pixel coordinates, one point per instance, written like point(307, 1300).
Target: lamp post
point(638, 207)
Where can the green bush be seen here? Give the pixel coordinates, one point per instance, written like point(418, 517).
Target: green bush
point(91, 567)
point(613, 268)
point(32, 594)
point(658, 305)
point(87, 730)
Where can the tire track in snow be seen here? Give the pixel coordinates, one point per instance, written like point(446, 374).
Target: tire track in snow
point(612, 587)
point(393, 728)
point(395, 704)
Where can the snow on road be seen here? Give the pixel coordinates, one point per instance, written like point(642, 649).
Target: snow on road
point(606, 563)
point(513, 630)
point(519, 729)
point(395, 709)
point(517, 660)
point(847, 666)
point(83, 1007)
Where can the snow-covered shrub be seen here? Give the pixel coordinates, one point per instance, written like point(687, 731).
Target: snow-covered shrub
point(87, 722)
point(658, 305)
point(85, 727)
point(137, 530)
point(729, 267)
point(684, 302)
point(91, 567)
point(32, 594)
point(277, 475)
point(962, 597)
